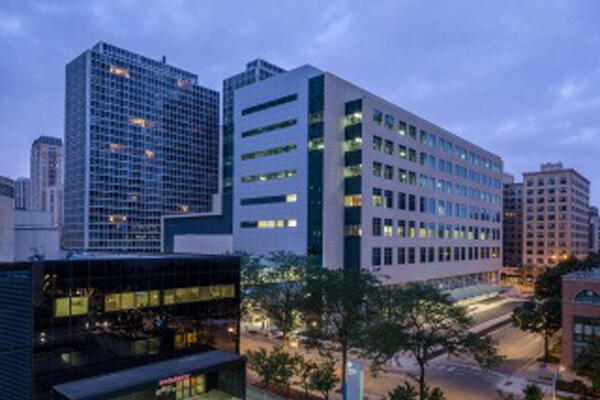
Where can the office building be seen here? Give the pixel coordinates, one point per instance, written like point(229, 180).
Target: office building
point(7, 219)
point(555, 216)
point(46, 174)
point(512, 224)
point(217, 224)
point(121, 328)
point(580, 313)
point(142, 140)
point(23, 193)
point(327, 169)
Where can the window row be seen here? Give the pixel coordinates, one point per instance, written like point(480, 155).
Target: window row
point(72, 306)
point(422, 255)
point(410, 229)
point(430, 140)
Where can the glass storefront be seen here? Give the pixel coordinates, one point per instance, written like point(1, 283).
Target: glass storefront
point(100, 315)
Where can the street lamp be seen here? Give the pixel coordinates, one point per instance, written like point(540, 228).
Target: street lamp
point(559, 368)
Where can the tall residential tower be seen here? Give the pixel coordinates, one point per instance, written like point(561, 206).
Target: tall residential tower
point(46, 174)
point(217, 224)
point(142, 140)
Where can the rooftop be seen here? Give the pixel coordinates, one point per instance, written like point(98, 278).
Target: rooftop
point(592, 274)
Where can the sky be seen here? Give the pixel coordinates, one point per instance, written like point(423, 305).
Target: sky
point(519, 78)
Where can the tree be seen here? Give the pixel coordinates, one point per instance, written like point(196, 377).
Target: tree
point(275, 368)
point(304, 369)
point(548, 285)
point(532, 392)
point(408, 392)
point(323, 378)
point(276, 290)
point(539, 316)
point(338, 307)
point(587, 363)
point(423, 321)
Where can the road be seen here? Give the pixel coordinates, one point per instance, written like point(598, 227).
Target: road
point(495, 312)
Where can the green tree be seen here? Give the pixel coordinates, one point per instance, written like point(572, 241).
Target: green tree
point(338, 308)
point(304, 369)
point(421, 320)
point(532, 392)
point(539, 316)
point(275, 368)
point(323, 378)
point(587, 363)
point(259, 362)
point(408, 392)
point(275, 290)
point(548, 285)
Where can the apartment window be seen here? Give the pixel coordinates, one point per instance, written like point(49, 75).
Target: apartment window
point(389, 199)
point(388, 172)
point(402, 176)
point(388, 147)
point(401, 255)
point(402, 152)
point(376, 255)
point(377, 197)
point(388, 228)
point(402, 128)
point(401, 228)
point(376, 226)
point(412, 132)
point(389, 121)
point(377, 143)
point(387, 256)
point(412, 202)
point(377, 169)
point(412, 229)
point(411, 255)
point(377, 118)
point(402, 201)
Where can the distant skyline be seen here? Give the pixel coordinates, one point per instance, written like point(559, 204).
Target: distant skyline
point(521, 79)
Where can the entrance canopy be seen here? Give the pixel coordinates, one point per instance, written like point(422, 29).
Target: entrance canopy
point(127, 380)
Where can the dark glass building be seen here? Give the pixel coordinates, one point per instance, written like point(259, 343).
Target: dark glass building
point(121, 329)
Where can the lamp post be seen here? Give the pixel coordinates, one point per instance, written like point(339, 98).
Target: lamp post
point(559, 368)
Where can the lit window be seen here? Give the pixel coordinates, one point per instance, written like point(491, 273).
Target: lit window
point(139, 122)
point(119, 71)
point(117, 218)
point(184, 208)
point(354, 200)
point(183, 83)
point(291, 198)
point(63, 307)
point(149, 153)
point(292, 223)
point(115, 147)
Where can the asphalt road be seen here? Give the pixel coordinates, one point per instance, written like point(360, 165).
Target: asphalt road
point(488, 315)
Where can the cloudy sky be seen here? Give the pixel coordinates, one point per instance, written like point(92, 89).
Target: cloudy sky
point(520, 78)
